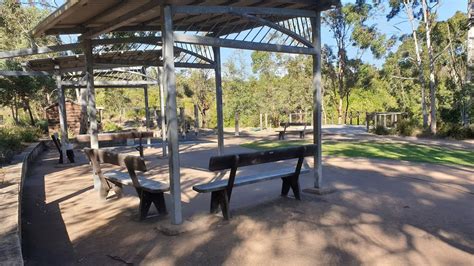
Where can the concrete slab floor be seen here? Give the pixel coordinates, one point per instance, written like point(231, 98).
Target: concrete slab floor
point(383, 213)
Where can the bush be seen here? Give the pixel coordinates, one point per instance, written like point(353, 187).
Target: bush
point(381, 130)
point(11, 139)
point(43, 125)
point(455, 130)
point(111, 126)
point(406, 127)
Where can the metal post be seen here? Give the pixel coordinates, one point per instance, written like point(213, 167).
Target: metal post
point(220, 112)
point(162, 111)
point(62, 115)
point(169, 79)
point(91, 110)
point(317, 98)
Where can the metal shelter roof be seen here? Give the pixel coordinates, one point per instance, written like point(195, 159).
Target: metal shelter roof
point(91, 18)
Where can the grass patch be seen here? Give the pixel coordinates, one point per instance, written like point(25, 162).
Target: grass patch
point(395, 151)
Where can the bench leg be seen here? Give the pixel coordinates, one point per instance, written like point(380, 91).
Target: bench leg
point(146, 199)
point(145, 203)
point(118, 190)
point(220, 198)
point(293, 183)
point(159, 201)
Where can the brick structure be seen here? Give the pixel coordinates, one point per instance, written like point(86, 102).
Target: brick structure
point(73, 111)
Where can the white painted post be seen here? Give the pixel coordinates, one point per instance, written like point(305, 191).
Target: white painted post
point(147, 113)
point(169, 79)
point(219, 109)
point(317, 98)
point(162, 111)
point(91, 110)
point(62, 115)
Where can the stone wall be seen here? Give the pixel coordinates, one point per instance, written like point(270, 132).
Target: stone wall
point(11, 184)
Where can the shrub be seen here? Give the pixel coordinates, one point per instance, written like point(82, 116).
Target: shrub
point(11, 139)
point(455, 130)
point(111, 126)
point(381, 130)
point(406, 127)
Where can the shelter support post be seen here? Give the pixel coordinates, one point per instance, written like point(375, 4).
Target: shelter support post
point(196, 119)
point(162, 111)
point(317, 100)
point(169, 79)
point(220, 112)
point(147, 112)
point(91, 110)
point(62, 115)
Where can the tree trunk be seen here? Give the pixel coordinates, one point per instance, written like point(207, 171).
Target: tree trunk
point(30, 114)
point(84, 121)
point(419, 62)
point(339, 111)
point(427, 17)
point(347, 108)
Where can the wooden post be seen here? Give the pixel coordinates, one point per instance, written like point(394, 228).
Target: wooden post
point(237, 128)
point(62, 115)
point(317, 101)
point(182, 122)
point(169, 79)
point(266, 121)
point(219, 109)
point(367, 121)
point(91, 110)
point(376, 115)
point(83, 102)
point(162, 111)
point(385, 121)
point(196, 119)
point(147, 113)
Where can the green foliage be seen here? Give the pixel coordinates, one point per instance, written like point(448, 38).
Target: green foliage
point(407, 127)
point(456, 131)
point(381, 130)
point(11, 139)
point(111, 127)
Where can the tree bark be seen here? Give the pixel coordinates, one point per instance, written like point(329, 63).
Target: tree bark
point(427, 17)
point(30, 113)
point(409, 11)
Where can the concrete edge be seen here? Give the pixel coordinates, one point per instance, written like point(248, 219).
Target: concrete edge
point(10, 196)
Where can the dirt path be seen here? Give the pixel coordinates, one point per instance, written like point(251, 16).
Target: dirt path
point(383, 213)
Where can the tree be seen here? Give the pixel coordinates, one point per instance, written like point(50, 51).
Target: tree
point(349, 27)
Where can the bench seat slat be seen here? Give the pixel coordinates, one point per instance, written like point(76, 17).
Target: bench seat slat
point(145, 183)
point(246, 180)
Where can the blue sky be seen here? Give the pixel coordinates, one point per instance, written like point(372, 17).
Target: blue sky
point(446, 10)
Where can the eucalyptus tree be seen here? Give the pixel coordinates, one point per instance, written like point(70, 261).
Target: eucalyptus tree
point(349, 25)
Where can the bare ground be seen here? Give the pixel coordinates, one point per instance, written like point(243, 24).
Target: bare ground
point(383, 213)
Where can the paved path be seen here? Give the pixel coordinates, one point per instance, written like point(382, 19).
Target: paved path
point(383, 213)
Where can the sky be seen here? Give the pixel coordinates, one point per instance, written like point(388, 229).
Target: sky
point(446, 10)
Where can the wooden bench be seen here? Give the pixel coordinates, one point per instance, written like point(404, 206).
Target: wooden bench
point(149, 191)
point(288, 128)
point(140, 135)
point(222, 189)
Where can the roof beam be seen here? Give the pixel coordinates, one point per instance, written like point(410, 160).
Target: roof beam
point(131, 16)
point(277, 27)
point(242, 44)
point(39, 50)
point(288, 12)
point(8, 73)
